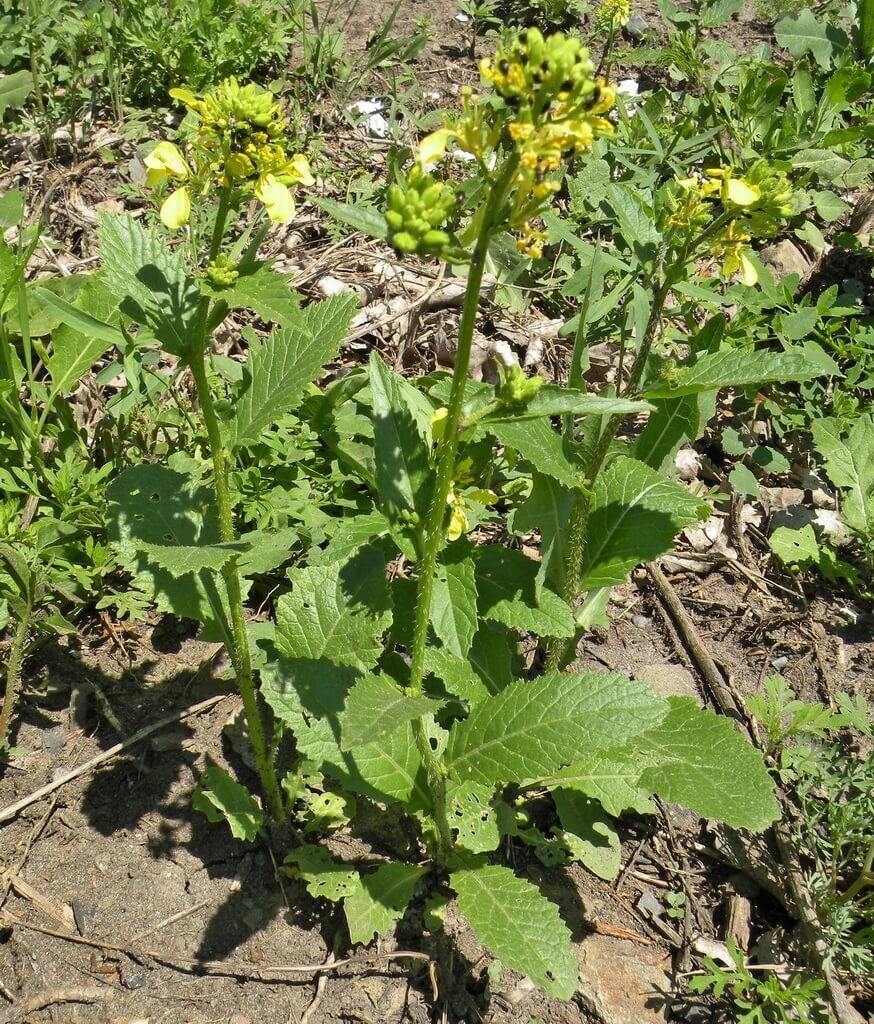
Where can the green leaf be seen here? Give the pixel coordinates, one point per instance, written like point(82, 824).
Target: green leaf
point(14, 90)
point(380, 900)
point(151, 280)
point(351, 534)
point(826, 164)
point(636, 221)
point(336, 611)
point(672, 423)
point(361, 218)
point(542, 447)
point(180, 560)
point(493, 656)
point(151, 505)
point(734, 368)
point(797, 325)
point(531, 729)
point(375, 707)
point(634, 516)
point(324, 877)
point(700, 760)
point(221, 798)
point(454, 603)
point(850, 466)
point(548, 510)
point(518, 925)
point(403, 473)
point(552, 400)
point(278, 371)
point(802, 33)
point(456, 674)
point(263, 290)
point(473, 816)
point(795, 547)
point(829, 206)
point(719, 12)
point(588, 833)
point(743, 481)
point(308, 696)
point(78, 319)
point(611, 777)
point(506, 584)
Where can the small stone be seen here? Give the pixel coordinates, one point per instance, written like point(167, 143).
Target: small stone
point(784, 258)
point(239, 1018)
point(53, 740)
point(668, 680)
point(135, 981)
point(622, 983)
point(779, 663)
point(641, 621)
point(637, 26)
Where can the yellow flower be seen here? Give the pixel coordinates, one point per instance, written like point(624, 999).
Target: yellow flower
point(176, 208)
point(458, 521)
point(741, 192)
point(276, 197)
point(165, 161)
point(737, 261)
point(432, 148)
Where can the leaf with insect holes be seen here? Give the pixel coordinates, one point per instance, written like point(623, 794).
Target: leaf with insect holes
point(261, 289)
point(700, 760)
point(403, 473)
point(533, 728)
point(222, 798)
point(151, 506)
point(850, 466)
point(322, 875)
point(453, 602)
point(588, 832)
point(375, 707)
point(506, 582)
point(151, 281)
point(278, 370)
point(337, 611)
point(380, 899)
point(733, 368)
point(517, 925)
point(473, 816)
point(308, 697)
point(634, 516)
point(795, 546)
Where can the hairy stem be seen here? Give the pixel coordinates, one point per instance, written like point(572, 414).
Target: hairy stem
point(238, 648)
point(434, 524)
point(13, 675)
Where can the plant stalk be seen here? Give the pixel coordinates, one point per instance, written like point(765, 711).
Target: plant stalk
point(434, 525)
point(13, 675)
point(239, 647)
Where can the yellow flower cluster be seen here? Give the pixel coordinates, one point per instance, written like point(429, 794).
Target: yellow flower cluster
point(614, 13)
point(240, 140)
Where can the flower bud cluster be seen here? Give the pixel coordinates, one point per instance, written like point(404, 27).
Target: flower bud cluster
point(418, 209)
point(222, 271)
point(240, 140)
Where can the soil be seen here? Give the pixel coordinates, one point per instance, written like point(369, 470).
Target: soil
point(123, 906)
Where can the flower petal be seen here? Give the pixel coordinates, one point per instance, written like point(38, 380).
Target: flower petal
point(747, 271)
point(276, 198)
point(299, 169)
point(433, 147)
point(176, 208)
point(184, 95)
point(742, 193)
point(164, 161)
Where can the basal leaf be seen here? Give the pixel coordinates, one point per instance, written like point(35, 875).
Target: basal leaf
point(588, 833)
point(611, 777)
point(324, 877)
point(308, 697)
point(735, 368)
point(700, 760)
point(375, 707)
point(403, 473)
point(279, 370)
point(79, 319)
point(518, 925)
point(454, 603)
point(532, 729)
point(151, 280)
point(634, 516)
point(380, 900)
point(337, 611)
point(506, 585)
point(803, 33)
point(14, 90)
point(222, 798)
point(850, 466)
point(539, 445)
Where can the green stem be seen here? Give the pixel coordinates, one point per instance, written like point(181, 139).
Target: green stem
point(433, 533)
point(866, 877)
point(239, 646)
point(13, 675)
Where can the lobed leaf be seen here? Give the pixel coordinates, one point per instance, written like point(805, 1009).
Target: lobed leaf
point(222, 798)
point(375, 707)
point(542, 447)
point(506, 583)
point(380, 900)
point(588, 833)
